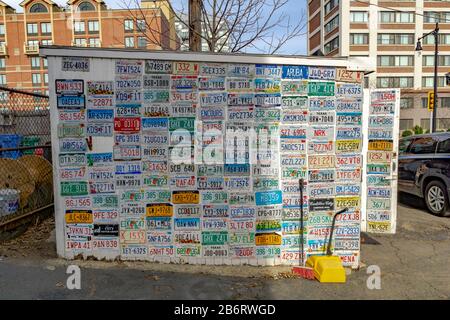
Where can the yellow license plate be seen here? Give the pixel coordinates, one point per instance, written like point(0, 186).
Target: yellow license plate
point(159, 210)
point(79, 216)
point(185, 197)
point(267, 239)
point(381, 145)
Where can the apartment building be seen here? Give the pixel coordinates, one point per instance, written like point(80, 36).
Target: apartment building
point(88, 23)
point(387, 32)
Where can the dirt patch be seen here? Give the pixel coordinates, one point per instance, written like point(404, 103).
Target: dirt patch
point(33, 243)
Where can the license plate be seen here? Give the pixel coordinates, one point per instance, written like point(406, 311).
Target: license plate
point(241, 99)
point(78, 216)
point(131, 110)
point(159, 223)
point(241, 198)
point(289, 87)
point(268, 225)
point(133, 236)
point(156, 110)
point(241, 225)
point(382, 108)
point(377, 192)
point(239, 85)
point(322, 104)
point(70, 130)
point(210, 183)
point(296, 102)
point(346, 90)
point(237, 183)
point(378, 180)
point(100, 115)
point(344, 75)
point(185, 197)
point(268, 100)
point(242, 212)
point(74, 188)
point(183, 109)
point(268, 70)
point(265, 184)
point(242, 238)
point(381, 145)
point(381, 134)
point(96, 187)
point(349, 118)
point(263, 115)
point(127, 138)
point(321, 204)
point(132, 124)
point(347, 231)
point(379, 157)
point(349, 105)
point(155, 124)
point(83, 202)
point(322, 73)
point(99, 159)
point(241, 70)
point(320, 147)
point(272, 239)
point(294, 116)
point(133, 167)
point(240, 113)
point(291, 160)
point(343, 133)
point(158, 66)
point(69, 115)
point(295, 72)
point(155, 181)
point(316, 132)
point(71, 174)
point(347, 202)
point(72, 145)
point(129, 181)
point(348, 146)
point(75, 64)
point(264, 198)
point(128, 97)
point(319, 89)
point(320, 190)
point(156, 81)
point(208, 99)
point(214, 238)
point(212, 113)
point(128, 82)
point(188, 250)
point(129, 67)
point(99, 129)
point(100, 88)
point(184, 83)
point(269, 212)
point(348, 174)
point(180, 183)
point(213, 69)
point(354, 160)
point(214, 197)
point(266, 85)
point(66, 86)
point(183, 237)
point(186, 224)
point(131, 209)
point(105, 201)
point(384, 168)
point(236, 169)
point(321, 161)
point(348, 190)
point(322, 117)
point(182, 123)
point(100, 102)
point(378, 204)
point(159, 238)
point(293, 173)
point(156, 96)
point(155, 166)
point(124, 152)
point(322, 175)
point(134, 250)
point(70, 102)
point(188, 68)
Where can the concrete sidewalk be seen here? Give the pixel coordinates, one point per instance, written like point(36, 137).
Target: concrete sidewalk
point(414, 264)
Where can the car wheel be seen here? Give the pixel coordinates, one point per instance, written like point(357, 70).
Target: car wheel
point(436, 198)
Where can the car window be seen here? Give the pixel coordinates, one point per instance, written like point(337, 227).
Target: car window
point(423, 145)
point(444, 146)
point(403, 145)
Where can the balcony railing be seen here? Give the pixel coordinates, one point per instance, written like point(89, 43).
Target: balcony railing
point(3, 50)
point(31, 49)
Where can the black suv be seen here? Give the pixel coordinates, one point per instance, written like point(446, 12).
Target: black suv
point(424, 169)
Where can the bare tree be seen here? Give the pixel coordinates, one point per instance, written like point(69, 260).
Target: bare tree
point(262, 26)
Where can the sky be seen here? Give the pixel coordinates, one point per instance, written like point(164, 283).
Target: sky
point(293, 7)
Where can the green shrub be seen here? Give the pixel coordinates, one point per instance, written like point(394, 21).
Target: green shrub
point(407, 133)
point(418, 129)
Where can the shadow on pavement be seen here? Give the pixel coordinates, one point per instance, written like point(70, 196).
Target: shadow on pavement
point(411, 201)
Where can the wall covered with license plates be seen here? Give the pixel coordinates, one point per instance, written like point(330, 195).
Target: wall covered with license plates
point(182, 161)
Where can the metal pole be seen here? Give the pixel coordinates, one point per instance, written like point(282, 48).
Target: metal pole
point(436, 62)
point(300, 184)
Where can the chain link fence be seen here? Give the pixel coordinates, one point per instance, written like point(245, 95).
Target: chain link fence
point(26, 181)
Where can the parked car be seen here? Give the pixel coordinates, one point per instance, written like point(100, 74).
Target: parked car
point(424, 169)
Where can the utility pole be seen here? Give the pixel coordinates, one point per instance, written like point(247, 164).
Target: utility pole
point(195, 27)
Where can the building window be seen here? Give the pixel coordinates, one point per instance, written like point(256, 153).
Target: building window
point(142, 42)
point(32, 29)
point(36, 79)
point(2, 63)
point(141, 25)
point(332, 45)
point(395, 61)
point(46, 28)
point(35, 62)
point(129, 42)
point(38, 8)
point(80, 42)
point(433, 17)
point(331, 5)
point(406, 103)
point(33, 43)
point(424, 102)
point(93, 26)
point(445, 102)
point(359, 38)
point(78, 27)
point(406, 124)
point(129, 26)
point(428, 82)
point(2, 79)
point(428, 61)
point(425, 124)
point(333, 23)
point(45, 63)
point(396, 17)
point(45, 78)
point(443, 124)
point(442, 39)
point(359, 16)
point(395, 82)
point(86, 6)
point(391, 38)
point(94, 42)
point(2, 29)
point(47, 42)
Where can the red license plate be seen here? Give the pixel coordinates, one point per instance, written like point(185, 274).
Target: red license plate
point(127, 124)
